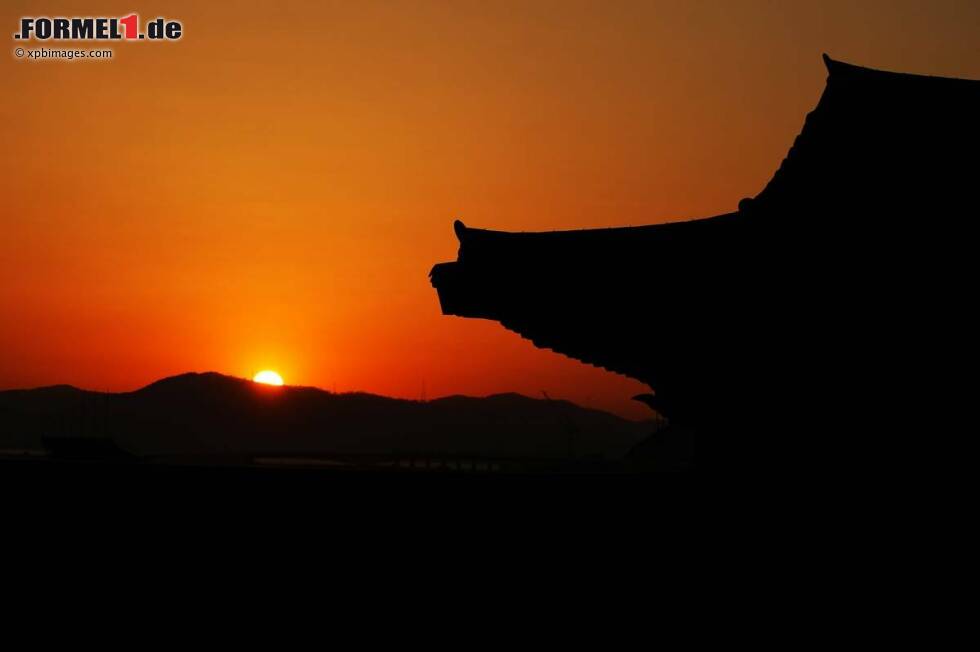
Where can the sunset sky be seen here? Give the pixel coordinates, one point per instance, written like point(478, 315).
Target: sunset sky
point(270, 191)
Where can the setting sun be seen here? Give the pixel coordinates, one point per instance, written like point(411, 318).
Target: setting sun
point(239, 210)
point(268, 378)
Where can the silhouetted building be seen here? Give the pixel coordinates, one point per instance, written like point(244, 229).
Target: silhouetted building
point(823, 322)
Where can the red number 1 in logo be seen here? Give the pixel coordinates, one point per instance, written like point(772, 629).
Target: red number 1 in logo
point(129, 22)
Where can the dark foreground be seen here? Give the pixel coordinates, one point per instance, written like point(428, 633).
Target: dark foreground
point(296, 469)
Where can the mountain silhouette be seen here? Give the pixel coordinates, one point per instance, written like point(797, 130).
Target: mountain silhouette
point(210, 415)
point(827, 321)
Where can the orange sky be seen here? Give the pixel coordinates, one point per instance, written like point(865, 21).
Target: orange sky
point(271, 191)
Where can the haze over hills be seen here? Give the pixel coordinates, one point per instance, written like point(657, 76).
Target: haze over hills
point(213, 414)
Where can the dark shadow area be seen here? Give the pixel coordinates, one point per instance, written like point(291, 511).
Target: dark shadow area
point(828, 322)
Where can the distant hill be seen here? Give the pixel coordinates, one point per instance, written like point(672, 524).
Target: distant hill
point(213, 414)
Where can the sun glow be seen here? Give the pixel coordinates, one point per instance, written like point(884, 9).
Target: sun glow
point(268, 378)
